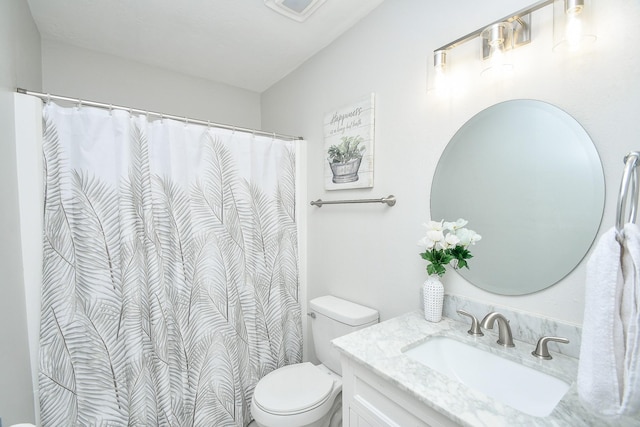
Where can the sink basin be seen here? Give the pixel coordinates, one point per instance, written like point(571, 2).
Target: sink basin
point(525, 389)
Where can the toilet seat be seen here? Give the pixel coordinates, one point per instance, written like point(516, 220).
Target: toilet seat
point(293, 389)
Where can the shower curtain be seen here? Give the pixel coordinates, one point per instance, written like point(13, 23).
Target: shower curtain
point(170, 273)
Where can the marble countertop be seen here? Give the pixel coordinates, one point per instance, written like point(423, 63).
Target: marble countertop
point(379, 348)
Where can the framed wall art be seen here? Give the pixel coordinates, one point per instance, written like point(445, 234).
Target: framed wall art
point(348, 145)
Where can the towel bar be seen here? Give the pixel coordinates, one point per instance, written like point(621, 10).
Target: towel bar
point(389, 201)
point(629, 179)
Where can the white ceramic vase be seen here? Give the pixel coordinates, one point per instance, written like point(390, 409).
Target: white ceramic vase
point(433, 295)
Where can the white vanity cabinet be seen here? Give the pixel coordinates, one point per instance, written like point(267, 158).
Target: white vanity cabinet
point(382, 386)
point(368, 400)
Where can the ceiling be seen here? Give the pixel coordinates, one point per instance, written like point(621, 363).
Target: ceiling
point(242, 43)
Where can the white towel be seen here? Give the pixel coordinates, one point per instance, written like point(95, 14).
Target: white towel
point(608, 372)
point(630, 314)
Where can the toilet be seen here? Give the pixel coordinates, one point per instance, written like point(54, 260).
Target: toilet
point(307, 395)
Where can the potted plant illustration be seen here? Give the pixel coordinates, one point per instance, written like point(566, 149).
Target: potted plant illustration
point(344, 159)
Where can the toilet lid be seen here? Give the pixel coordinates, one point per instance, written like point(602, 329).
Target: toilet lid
point(293, 389)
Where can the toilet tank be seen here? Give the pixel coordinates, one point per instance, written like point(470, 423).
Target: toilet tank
point(334, 317)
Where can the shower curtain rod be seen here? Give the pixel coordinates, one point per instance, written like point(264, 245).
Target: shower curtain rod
point(48, 97)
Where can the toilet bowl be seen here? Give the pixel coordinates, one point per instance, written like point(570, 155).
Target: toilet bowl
point(298, 395)
point(307, 395)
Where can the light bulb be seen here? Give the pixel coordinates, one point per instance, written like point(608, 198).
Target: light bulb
point(573, 31)
point(572, 26)
point(498, 64)
point(440, 78)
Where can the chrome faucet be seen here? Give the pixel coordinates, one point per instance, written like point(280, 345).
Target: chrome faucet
point(504, 330)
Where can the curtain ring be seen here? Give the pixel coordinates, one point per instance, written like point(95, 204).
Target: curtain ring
point(186, 122)
point(48, 100)
point(79, 106)
point(110, 109)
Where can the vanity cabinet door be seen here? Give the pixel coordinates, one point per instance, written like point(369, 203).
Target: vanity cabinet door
point(370, 401)
point(361, 420)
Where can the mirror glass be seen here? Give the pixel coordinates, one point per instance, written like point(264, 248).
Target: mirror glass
point(528, 178)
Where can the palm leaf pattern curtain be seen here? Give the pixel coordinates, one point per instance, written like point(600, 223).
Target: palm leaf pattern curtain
point(170, 270)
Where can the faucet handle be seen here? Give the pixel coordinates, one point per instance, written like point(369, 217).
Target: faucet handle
point(475, 327)
point(542, 351)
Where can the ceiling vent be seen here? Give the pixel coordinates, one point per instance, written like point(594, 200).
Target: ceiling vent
point(298, 10)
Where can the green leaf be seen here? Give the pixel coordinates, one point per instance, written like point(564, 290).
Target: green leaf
point(347, 150)
point(461, 254)
point(436, 269)
point(438, 258)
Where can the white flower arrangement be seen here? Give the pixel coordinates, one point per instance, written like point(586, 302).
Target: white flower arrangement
point(446, 243)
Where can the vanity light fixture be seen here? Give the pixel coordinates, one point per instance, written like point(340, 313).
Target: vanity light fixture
point(571, 19)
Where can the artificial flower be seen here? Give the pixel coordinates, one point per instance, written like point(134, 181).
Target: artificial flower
point(446, 243)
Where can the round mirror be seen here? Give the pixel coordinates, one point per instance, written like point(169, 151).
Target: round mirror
point(528, 178)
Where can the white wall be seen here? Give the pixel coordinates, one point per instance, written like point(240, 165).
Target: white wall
point(28, 129)
point(19, 66)
point(80, 73)
point(368, 253)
